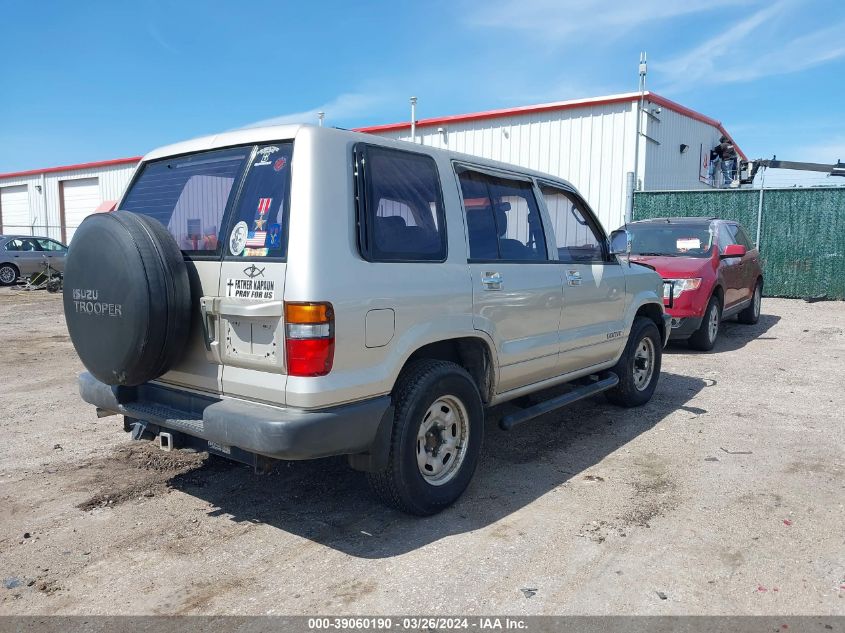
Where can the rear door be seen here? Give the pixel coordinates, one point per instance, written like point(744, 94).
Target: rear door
point(192, 196)
point(516, 289)
point(250, 307)
point(593, 283)
point(54, 252)
point(749, 262)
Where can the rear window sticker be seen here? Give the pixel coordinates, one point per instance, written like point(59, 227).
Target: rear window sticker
point(260, 221)
point(688, 243)
point(264, 153)
point(274, 236)
point(256, 239)
point(251, 288)
point(264, 205)
point(256, 252)
point(280, 163)
point(237, 240)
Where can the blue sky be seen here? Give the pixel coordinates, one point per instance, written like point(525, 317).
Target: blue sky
point(97, 80)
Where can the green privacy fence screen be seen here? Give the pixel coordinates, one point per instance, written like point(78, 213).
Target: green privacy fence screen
point(802, 232)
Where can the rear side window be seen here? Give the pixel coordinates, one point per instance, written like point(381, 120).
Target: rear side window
point(50, 245)
point(576, 238)
point(189, 195)
point(262, 208)
point(400, 206)
point(503, 219)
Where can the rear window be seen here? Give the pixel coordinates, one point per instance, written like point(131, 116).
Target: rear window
point(191, 196)
point(400, 206)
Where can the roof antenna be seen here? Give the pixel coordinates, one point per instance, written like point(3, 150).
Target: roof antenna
point(320, 116)
point(413, 119)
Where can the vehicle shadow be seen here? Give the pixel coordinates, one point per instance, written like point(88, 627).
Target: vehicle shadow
point(328, 503)
point(733, 335)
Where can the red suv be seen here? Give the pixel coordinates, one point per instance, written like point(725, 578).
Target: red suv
point(710, 268)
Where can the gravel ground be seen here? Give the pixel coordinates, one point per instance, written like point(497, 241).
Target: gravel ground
point(724, 495)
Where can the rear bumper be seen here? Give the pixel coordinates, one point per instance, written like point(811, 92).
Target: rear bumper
point(279, 432)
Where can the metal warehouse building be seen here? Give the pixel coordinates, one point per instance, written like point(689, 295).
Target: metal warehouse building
point(590, 142)
point(55, 200)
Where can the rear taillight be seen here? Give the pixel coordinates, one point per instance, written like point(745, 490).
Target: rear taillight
point(309, 338)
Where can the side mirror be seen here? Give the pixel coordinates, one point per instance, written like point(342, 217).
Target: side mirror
point(733, 250)
point(620, 242)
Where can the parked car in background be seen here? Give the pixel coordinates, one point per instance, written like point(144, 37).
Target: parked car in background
point(711, 271)
point(25, 255)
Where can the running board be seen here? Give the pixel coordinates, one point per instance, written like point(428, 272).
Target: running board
point(605, 381)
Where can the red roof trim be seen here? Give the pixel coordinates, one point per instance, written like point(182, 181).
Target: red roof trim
point(503, 112)
point(551, 107)
point(50, 170)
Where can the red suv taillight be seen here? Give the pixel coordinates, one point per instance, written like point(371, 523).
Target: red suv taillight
point(309, 338)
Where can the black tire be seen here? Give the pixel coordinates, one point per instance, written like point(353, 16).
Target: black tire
point(9, 274)
point(751, 314)
point(127, 298)
point(704, 338)
point(631, 392)
point(402, 484)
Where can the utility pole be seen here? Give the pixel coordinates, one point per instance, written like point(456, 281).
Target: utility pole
point(413, 119)
point(320, 116)
point(760, 206)
point(643, 71)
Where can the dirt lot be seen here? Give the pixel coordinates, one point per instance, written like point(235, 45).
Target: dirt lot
point(723, 495)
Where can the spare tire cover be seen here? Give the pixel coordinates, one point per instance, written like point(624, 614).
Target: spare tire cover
point(127, 297)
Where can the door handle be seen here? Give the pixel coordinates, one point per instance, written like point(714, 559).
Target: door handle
point(492, 280)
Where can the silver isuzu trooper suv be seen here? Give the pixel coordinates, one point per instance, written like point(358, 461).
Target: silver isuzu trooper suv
point(296, 292)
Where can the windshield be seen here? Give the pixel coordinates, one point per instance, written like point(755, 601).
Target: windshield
point(671, 240)
point(199, 197)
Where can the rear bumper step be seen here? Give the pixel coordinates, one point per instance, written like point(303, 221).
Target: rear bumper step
point(606, 381)
point(278, 432)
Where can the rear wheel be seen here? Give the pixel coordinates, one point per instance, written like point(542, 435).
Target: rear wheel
point(751, 314)
point(704, 338)
point(8, 275)
point(639, 367)
point(438, 428)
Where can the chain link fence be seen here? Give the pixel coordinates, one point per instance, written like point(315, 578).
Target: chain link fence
point(801, 231)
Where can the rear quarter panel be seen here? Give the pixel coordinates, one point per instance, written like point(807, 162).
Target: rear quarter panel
point(430, 301)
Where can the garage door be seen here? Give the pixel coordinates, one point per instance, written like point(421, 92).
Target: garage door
point(80, 198)
point(14, 210)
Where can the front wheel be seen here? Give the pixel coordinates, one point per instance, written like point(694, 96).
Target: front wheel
point(8, 275)
point(438, 428)
point(639, 367)
point(704, 338)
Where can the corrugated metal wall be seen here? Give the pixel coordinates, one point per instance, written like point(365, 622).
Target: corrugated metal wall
point(802, 238)
point(592, 147)
point(666, 167)
point(44, 207)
